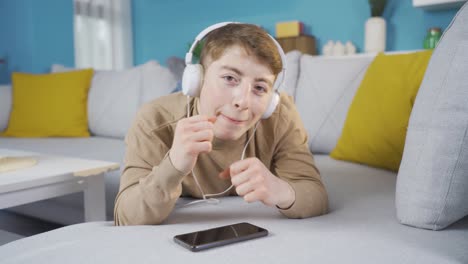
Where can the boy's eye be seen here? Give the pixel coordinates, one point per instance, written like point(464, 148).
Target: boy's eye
point(229, 79)
point(260, 89)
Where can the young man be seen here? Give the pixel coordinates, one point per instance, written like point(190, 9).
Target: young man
point(168, 152)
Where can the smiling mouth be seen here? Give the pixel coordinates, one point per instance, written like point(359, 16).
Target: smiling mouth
point(232, 120)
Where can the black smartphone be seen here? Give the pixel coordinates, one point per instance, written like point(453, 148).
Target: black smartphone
point(219, 236)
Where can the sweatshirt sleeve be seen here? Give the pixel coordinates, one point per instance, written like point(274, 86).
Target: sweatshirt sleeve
point(294, 163)
point(149, 185)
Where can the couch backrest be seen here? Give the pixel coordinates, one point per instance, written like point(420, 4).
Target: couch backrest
point(5, 105)
point(114, 96)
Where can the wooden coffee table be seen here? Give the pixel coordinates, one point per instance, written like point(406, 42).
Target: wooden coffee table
point(55, 176)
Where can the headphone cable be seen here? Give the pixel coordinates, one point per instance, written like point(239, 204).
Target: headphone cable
point(213, 200)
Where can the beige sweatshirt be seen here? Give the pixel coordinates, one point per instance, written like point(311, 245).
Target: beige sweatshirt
point(150, 185)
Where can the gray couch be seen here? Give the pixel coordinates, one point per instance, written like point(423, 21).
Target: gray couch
point(361, 226)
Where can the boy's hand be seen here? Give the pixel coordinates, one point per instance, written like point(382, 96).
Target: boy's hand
point(255, 182)
point(192, 136)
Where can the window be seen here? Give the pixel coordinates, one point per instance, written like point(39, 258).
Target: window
point(103, 34)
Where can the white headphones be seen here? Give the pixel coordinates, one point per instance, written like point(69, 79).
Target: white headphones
point(192, 78)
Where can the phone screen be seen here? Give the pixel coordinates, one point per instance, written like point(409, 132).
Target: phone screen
point(219, 236)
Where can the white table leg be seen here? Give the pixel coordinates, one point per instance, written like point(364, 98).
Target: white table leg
point(95, 198)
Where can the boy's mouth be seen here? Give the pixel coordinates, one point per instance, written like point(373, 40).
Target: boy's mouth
point(233, 120)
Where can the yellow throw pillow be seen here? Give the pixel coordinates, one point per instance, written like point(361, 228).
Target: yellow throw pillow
point(375, 128)
point(50, 105)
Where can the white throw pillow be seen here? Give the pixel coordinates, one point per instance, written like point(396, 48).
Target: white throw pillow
point(292, 73)
point(324, 92)
point(113, 101)
point(156, 82)
point(115, 96)
point(5, 105)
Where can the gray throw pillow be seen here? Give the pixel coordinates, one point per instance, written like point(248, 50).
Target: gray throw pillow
point(432, 183)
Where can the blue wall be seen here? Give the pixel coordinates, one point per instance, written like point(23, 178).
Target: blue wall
point(39, 33)
point(35, 34)
point(163, 28)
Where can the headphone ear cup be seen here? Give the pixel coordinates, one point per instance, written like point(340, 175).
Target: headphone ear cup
point(192, 80)
point(279, 81)
point(272, 106)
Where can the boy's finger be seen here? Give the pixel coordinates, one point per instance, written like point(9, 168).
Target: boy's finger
point(212, 119)
point(197, 118)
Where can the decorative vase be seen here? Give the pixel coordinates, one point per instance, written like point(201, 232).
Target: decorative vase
point(375, 34)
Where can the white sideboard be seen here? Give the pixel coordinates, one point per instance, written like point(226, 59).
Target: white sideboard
point(438, 4)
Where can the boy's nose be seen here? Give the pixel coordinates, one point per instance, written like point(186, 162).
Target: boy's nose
point(242, 95)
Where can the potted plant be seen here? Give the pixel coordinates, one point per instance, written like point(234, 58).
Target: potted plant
point(375, 28)
point(197, 50)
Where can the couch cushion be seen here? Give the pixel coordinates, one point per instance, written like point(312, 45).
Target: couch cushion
point(115, 96)
point(361, 227)
point(113, 101)
point(375, 128)
point(324, 92)
point(432, 190)
point(50, 105)
point(100, 148)
point(68, 209)
point(292, 72)
point(157, 81)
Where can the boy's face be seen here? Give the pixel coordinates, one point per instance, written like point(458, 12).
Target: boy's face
point(237, 89)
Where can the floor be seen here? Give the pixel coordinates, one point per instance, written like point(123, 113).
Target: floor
point(24, 225)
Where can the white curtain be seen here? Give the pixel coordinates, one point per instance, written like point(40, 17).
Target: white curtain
point(103, 34)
